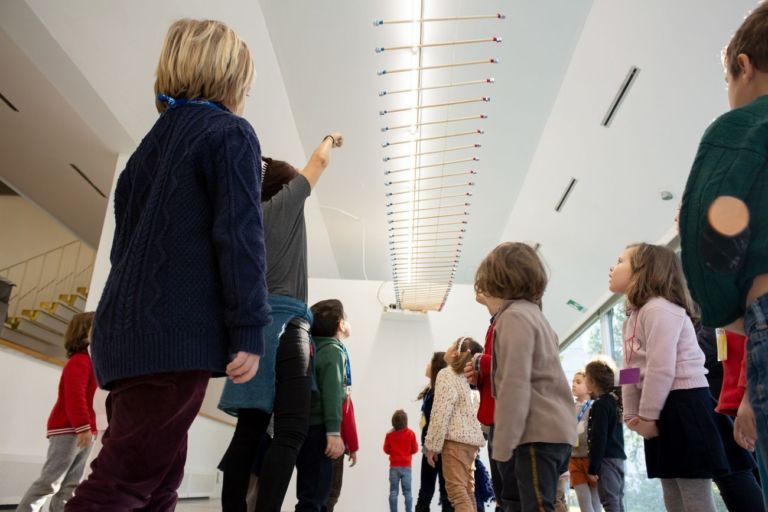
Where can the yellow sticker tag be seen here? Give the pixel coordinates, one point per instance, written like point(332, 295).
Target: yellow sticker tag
point(722, 344)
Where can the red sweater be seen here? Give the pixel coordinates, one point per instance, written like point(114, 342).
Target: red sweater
point(400, 445)
point(349, 426)
point(487, 403)
point(73, 412)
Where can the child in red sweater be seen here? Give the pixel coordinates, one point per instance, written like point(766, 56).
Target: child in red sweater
point(400, 444)
point(71, 425)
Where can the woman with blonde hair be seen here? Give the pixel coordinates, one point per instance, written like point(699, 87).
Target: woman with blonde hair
point(186, 298)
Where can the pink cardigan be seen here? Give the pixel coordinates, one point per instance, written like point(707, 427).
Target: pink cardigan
point(659, 338)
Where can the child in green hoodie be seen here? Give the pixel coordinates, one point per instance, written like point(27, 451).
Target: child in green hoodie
point(323, 443)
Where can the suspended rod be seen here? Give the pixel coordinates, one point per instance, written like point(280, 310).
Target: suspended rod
point(437, 239)
point(394, 250)
point(459, 205)
point(453, 175)
point(424, 199)
point(458, 134)
point(468, 184)
point(482, 99)
point(497, 16)
point(447, 150)
point(438, 66)
point(458, 42)
point(415, 219)
point(489, 80)
point(425, 226)
point(441, 164)
point(417, 256)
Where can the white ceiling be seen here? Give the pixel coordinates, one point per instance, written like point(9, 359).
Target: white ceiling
point(90, 67)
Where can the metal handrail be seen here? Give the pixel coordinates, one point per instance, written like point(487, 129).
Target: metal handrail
point(24, 289)
point(60, 248)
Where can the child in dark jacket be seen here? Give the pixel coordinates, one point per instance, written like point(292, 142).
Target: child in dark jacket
point(605, 436)
point(71, 425)
point(400, 444)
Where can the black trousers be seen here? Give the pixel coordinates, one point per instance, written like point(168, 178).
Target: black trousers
point(427, 486)
point(504, 481)
point(293, 392)
point(313, 472)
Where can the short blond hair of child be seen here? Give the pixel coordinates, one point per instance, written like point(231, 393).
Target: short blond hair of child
point(206, 60)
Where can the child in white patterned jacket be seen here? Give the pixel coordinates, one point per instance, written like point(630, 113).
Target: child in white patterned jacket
point(454, 430)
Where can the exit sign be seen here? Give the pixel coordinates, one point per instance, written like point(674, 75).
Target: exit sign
point(575, 305)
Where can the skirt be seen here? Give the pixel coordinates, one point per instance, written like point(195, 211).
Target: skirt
point(689, 444)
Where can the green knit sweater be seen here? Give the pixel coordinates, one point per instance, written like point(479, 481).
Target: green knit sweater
point(329, 369)
point(732, 160)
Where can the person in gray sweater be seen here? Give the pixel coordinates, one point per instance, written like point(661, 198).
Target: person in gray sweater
point(534, 426)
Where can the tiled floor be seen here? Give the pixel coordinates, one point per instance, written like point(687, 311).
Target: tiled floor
point(205, 506)
point(202, 506)
point(198, 506)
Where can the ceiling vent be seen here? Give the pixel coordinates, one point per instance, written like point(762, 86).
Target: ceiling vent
point(565, 195)
point(82, 175)
point(623, 90)
point(8, 103)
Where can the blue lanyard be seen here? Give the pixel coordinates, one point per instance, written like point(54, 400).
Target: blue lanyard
point(583, 410)
point(348, 368)
point(180, 102)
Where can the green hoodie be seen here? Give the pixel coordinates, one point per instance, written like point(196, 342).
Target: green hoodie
point(329, 369)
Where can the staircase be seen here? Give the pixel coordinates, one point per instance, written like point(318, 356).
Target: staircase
point(39, 312)
point(43, 329)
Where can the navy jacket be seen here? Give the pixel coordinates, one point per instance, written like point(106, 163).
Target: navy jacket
point(187, 286)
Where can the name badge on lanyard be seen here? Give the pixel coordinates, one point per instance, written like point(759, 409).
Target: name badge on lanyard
point(630, 375)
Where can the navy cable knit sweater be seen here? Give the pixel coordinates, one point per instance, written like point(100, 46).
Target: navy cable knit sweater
point(187, 286)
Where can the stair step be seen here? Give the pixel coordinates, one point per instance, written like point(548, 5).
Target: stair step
point(46, 319)
point(60, 309)
point(32, 343)
point(76, 301)
point(82, 290)
point(40, 332)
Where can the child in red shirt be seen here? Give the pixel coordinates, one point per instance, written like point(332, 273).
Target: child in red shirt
point(71, 425)
point(400, 444)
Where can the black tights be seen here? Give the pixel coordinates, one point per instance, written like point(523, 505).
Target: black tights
point(293, 391)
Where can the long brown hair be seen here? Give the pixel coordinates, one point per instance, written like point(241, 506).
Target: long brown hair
point(657, 272)
point(435, 365)
point(76, 337)
point(466, 348)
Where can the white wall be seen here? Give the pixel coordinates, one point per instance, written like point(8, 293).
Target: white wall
point(29, 392)
point(28, 231)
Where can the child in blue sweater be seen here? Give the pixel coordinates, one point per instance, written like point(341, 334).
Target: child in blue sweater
point(186, 297)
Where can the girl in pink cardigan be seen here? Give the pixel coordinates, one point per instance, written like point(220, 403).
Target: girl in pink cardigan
point(665, 391)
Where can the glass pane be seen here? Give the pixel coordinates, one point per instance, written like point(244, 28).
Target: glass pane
point(618, 314)
point(584, 348)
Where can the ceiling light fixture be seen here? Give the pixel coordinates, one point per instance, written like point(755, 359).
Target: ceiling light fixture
point(426, 228)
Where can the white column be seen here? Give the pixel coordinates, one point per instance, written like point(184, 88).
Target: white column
point(101, 265)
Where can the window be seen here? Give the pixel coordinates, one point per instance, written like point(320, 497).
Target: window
point(617, 314)
point(582, 349)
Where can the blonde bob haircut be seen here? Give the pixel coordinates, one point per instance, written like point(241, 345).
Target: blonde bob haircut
point(203, 59)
